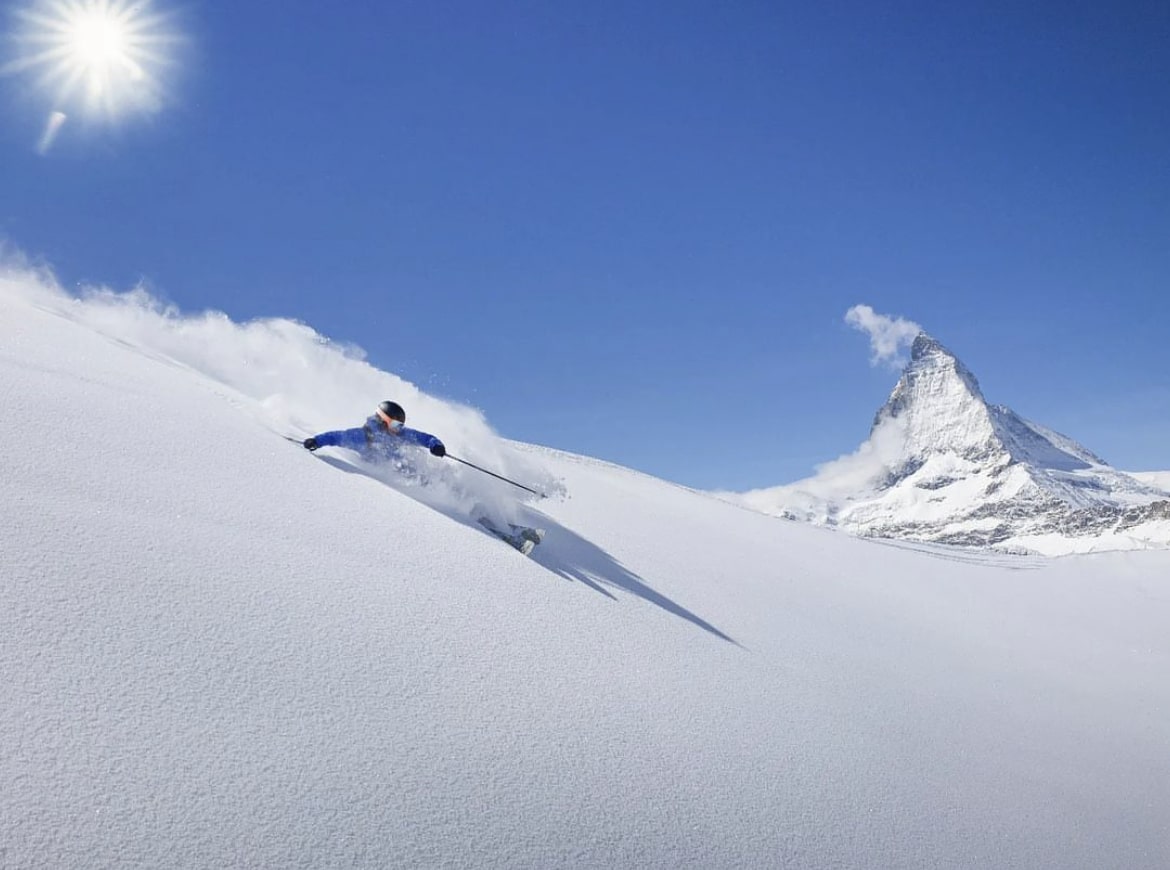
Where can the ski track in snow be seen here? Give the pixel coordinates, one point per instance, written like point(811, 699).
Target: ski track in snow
point(218, 650)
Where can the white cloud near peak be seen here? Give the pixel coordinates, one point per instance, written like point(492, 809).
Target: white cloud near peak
point(888, 336)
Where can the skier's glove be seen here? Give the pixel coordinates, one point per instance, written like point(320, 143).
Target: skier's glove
point(311, 444)
point(438, 450)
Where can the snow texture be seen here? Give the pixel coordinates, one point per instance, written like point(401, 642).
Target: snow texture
point(219, 650)
point(942, 465)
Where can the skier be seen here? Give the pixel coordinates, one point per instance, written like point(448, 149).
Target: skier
point(381, 438)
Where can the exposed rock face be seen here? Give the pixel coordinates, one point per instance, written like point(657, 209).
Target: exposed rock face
point(943, 465)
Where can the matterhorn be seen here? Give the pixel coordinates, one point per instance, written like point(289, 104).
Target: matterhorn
point(942, 465)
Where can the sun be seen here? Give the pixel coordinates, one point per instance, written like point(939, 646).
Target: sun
point(102, 59)
point(99, 42)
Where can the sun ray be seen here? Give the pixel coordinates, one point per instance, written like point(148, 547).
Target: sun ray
point(100, 59)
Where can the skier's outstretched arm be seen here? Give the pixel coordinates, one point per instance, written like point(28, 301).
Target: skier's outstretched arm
point(425, 439)
point(354, 439)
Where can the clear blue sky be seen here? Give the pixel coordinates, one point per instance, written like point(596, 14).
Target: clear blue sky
point(633, 230)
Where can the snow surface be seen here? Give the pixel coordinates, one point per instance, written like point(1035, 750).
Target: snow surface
point(220, 650)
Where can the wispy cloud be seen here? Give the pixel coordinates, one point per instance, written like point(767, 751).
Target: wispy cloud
point(888, 336)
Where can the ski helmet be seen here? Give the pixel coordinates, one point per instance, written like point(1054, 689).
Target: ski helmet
point(392, 410)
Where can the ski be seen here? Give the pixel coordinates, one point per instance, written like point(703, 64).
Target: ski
point(534, 535)
point(521, 538)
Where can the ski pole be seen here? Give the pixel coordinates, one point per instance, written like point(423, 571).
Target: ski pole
point(493, 474)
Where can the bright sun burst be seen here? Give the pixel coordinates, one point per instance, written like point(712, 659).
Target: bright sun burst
point(98, 58)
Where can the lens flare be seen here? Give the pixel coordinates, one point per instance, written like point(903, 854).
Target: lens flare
point(52, 127)
point(99, 59)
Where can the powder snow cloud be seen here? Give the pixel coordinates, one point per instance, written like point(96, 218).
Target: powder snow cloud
point(888, 336)
point(300, 381)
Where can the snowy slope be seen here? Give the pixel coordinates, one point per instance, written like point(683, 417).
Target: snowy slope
point(220, 650)
point(943, 465)
point(1158, 479)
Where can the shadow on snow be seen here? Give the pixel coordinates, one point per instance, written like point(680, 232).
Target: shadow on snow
point(573, 557)
point(563, 552)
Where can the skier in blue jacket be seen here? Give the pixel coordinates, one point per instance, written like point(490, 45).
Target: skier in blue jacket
point(381, 438)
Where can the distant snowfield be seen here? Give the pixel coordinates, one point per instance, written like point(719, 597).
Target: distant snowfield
point(1160, 479)
point(220, 650)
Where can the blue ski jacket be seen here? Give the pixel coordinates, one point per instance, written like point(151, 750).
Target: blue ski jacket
point(375, 442)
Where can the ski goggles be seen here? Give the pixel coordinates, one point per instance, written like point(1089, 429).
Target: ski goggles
point(391, 424)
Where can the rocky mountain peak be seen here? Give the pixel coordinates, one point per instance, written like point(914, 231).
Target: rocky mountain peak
point(938, 401)
point(926, 347)
point(943, 465)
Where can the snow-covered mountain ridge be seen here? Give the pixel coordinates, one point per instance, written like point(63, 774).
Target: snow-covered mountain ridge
point(944, 465)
